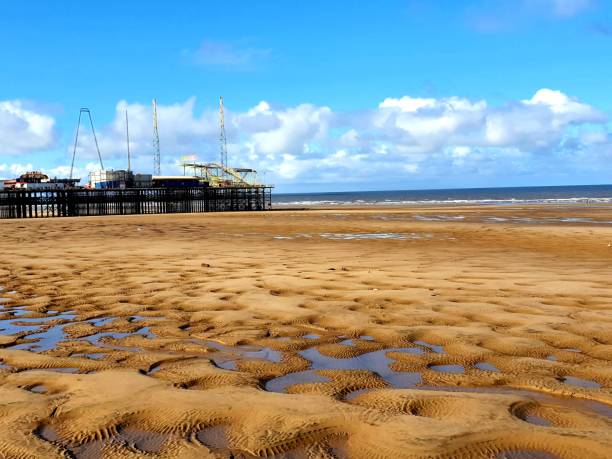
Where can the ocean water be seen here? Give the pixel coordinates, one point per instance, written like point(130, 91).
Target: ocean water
point(595, 194)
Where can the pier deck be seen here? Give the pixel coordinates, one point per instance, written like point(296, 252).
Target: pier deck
point(89, 202)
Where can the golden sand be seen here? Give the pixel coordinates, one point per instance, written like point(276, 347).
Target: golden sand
point(451, 332)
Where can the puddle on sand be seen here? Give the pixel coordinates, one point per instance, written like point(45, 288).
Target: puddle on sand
point(59, 370)
point(311, 336)
point(542, 220)
point(146, 332)
point(214, 438)
point(438, 218)
point(350, 236)
point(143, 440)
point(376, 361)
point(93, 356)
point(347, 342)
point(143, 318)
point(433, 347)
point(586, 383)
point(448, 368)
point(89, 450)
point(536, 420)
point(486, 367)
point(46, 340)
point(48, 433)
point(404, 379)
point(396, 236)
point(366, 338)
point(40, 321)
point(154, 369)
point(264, 354)
point(526, 454)
point(302, 377)
point(227, 363)
point(229, 356)
point(100, 321)
point(39, 389)
point(12, 327)
point(96, 340)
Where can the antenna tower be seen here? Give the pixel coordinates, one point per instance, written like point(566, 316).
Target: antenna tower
point(157, 157)
point(222, 141)
point(127, 137)
point(76, 139)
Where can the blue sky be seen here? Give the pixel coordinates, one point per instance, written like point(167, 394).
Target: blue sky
point(319, 95)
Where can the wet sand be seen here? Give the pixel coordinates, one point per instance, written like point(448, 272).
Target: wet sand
point(448, 332)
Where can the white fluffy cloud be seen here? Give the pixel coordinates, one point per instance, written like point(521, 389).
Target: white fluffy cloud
point(23, 130)
point(401, 138)
point(14, 169)
point(539, 122)
point(293, 129)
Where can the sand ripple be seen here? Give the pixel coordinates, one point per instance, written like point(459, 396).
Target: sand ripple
point(170, 336)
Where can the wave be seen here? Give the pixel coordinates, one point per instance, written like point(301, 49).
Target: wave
point(483, 201)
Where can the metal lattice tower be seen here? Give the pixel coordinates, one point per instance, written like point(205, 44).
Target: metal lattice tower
point(127, 139)
point(222, 140)
point(156, 152)
point(76, 139)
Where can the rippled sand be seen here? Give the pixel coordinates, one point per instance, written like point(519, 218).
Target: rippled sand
point(448, 332)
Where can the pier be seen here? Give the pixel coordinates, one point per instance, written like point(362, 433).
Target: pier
point(82, 202)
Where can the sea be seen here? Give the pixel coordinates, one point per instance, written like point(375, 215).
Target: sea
point(585, 194)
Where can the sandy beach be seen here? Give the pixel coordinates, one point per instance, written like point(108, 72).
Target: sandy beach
point(421, 332)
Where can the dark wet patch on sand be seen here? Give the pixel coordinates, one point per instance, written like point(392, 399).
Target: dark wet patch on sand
point(448, 368)
point(486, 367)
point(586, 383)
point(526, 454)
point(432, 347)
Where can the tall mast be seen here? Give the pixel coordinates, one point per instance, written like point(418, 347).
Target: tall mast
point(127, 137)
point(157, 155)
point(222, 141)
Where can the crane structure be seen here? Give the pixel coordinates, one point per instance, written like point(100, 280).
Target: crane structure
point(156, 152)
point(222, 139)
point(76, 139)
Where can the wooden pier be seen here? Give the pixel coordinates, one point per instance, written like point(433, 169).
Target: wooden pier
point(88, 202)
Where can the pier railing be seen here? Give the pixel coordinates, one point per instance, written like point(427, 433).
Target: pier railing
point(88, 202)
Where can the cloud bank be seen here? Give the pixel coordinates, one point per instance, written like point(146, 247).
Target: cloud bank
point(22, 130)
point(401, 142)
point(402, 139)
